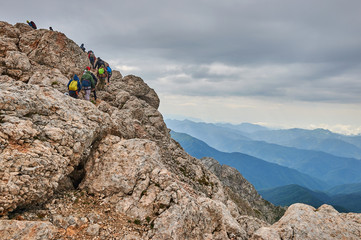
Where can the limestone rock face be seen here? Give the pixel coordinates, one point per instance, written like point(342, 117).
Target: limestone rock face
point(305, 222)
point(36, 230)
point(54, 50)
point(25, 52)
point(43, 136)
point(130, 174)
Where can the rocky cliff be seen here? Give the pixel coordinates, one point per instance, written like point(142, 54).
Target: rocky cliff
point(73, 169)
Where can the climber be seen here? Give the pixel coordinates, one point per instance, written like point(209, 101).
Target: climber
point(51, 29)
point(88, 84)
point(102, 75)
point(95, 82)
point(109, 71)
point(31, 24)
point(99, 63)
point(82, 47)
point(92, 58)
point(74, 86)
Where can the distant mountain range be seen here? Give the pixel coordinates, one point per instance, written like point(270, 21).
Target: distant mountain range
point(345, 189)
point(251, 139)
point(260, 173)
point(317, 140)
point(287, 195)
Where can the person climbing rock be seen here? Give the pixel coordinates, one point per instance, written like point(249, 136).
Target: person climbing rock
point(74, 86)
point(92, 58)
point(87, 83)
point(109, 71)
point(95, 83)
point(99, 63)
point(102, 75)
point(82, 47)
point(31, 24)
point(51, 29)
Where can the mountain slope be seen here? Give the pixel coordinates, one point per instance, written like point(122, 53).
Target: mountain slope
point(260, 173)
point(244, 128)
point(317, 139)
point(329, 168)
point(345, 189)
point(290, 194)
point(208, 131)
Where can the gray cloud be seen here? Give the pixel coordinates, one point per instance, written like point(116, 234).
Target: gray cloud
point(300, 50)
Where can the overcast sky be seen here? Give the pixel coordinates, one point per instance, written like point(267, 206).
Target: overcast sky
point(282, 63)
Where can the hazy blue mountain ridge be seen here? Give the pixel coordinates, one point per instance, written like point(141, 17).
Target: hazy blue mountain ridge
point(332, 169)
point(208, 131)
point(290, 194)
point(258, 172)
point(317, 139)
point(345, 189)
point(245, 128)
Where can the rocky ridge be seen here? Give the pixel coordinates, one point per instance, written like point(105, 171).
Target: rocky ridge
point(71, 169)
point(243, 192)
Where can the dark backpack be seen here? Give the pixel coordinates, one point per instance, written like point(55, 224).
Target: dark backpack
point(100, 63)
point(87, 80)
point(33, 25)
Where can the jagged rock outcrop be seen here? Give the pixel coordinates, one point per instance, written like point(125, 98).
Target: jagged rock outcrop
point(27, 54)
point(72, 169)
point(244, 194)
point(43, 137)
point(305, 222)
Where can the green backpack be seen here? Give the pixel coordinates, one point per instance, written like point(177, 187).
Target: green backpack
point(101, 71)
point(73, 86)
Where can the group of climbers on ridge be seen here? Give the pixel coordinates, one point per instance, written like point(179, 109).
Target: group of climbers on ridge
point(88, 81)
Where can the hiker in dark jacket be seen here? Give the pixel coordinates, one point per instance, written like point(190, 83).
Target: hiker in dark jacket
point(87, 83)
point(92, 58)
point(99, 63)
point(73, 88)
point(95, 81)
point(82, 47)
point(31, 24)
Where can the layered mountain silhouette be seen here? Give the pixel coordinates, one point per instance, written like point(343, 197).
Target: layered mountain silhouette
point(334, 170)
point(317, 139)
point(290, 194)
point(260, 173)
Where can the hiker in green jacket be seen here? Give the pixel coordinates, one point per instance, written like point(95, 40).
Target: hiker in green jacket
point(87, 83)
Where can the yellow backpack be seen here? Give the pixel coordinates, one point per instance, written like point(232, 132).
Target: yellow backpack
point(73, 86)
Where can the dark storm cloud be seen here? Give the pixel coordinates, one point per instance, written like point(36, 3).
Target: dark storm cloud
point(303, 50)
